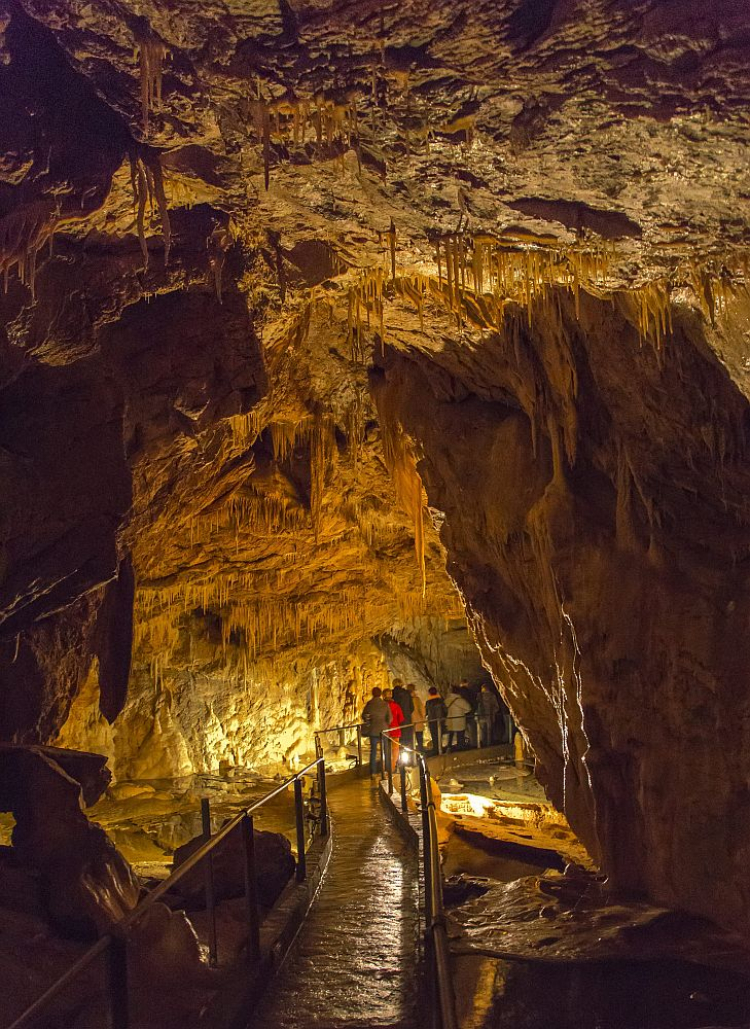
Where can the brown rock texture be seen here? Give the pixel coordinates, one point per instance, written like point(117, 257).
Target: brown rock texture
point(599, 539)
point(86, 886)
point(267, 265)
point(274, 868)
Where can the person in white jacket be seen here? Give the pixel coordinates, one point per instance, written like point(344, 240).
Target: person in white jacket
point(455, 722)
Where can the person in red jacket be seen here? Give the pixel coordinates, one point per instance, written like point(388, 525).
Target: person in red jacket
point(394, 732)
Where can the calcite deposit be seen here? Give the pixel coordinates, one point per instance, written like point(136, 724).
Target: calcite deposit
point(328, 328)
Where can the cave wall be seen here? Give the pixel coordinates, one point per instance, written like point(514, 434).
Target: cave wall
point(429, 653)
point(210, 713)
point(75, 437)
point(593, 491)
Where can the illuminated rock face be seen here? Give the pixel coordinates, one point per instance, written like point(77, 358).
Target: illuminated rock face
point(598, 538)
point(298, 251)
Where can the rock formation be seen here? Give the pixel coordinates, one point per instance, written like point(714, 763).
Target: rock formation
point(274, 866)
point(274, 269)
point(86, 885)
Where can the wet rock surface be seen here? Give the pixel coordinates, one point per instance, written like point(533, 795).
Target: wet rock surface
point(535, 950)
point(85, 884)
point(274, 866)
point(355, 960)
point(559, 917)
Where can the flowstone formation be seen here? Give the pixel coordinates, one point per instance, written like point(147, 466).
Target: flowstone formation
point(304, 300)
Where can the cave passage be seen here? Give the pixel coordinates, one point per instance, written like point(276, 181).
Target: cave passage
point(356, 961)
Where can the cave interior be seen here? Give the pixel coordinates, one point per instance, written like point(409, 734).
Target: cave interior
point(345, 342)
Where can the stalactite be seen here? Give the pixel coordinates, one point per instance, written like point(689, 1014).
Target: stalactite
point(23, 233)
point(401, 462)
point(392, 247)
point(322, 450)
point(355, 424)
point(147, 182)
point(287, 121)
point(152, 53)
point(217, 245)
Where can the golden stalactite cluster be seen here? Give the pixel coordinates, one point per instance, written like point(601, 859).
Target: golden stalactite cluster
point(23, 233)
point(292, 121)
point(318, 581)
point(716, 282)
point(474, 279)
point(366, 307)
point(478, 275)
point(272, 621)
point(713, 283)
point(654, 312)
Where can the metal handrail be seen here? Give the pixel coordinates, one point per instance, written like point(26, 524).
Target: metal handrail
point(338, 728)
point(436, 936)
point(113, 945)
point(341, 728)
point(470, 716)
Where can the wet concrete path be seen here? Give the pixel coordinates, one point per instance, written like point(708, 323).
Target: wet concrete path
point(355, 961)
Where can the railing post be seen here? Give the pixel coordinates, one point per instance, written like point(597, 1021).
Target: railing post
point(117, 982)
point(426, 857)
point(387, 760)
point(299, 815)
point(209, 879)
point(440, 737)
point(247, 829)
point(323, 798)
point(402, 770)
point(359, 748)
point(479, 731)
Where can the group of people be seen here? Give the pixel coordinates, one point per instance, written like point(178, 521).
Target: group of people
point(403, 713)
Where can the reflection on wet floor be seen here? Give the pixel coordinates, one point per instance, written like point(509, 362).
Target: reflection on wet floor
point(495, 778)
point(148, 821)
point(496, 994)
point(654, 992)
point(355, 962)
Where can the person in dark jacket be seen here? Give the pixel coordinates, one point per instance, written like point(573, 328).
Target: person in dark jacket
point(376, 718)
point(404, 700)
point(435, 708)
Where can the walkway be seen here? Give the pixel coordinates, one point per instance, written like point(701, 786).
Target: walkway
point(355, 961)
